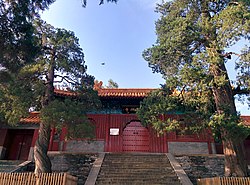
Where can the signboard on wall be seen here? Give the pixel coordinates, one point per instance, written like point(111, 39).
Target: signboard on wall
point(114, 131)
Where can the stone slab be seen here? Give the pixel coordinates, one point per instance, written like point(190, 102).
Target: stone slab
point(95, 170)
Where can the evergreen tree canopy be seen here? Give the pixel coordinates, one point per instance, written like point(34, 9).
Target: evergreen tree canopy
point(19, 47)
point(192, 47)
point(61, 61)
point(34, 56)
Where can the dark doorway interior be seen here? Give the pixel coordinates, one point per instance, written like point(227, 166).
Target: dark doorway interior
point(247, 148)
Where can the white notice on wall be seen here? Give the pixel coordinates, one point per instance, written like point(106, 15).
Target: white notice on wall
point(114, 131)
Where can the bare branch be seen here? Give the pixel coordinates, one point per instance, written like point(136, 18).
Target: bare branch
point(66, 78)
point(241, 91)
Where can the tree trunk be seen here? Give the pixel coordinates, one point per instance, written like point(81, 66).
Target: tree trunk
point(235, 159)
point(42, 161)
point(235, 164)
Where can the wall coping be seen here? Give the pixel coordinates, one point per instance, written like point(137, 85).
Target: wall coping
point(95, 170)
point(182, 176)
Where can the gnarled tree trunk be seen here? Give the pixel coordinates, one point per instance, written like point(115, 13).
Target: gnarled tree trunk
point(235, 159)
point(42, 161)
point(235, 164)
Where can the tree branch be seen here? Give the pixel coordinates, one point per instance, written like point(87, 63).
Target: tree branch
point(228, 55)
point(239, 91)
point(66, 78)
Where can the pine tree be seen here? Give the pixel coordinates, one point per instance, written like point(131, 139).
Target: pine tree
point(112, 84)
point(192, 37)
point(33, 57)
point(61, 61)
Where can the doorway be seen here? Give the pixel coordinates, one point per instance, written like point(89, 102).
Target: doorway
point(135, 138)
point(19, 143)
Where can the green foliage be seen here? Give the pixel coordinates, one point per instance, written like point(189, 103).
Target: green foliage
point(61, 54)
point(192, 37)
point(28, 85)
point(243, 66)
point(17, 42)
point(112, 84)
point(183, 108)
point(15, 97)
point(235, 128)
point(19, 47)
point(84, 2)
point(184, 36)
point(61, 50)
point(72, 114)
point(13, 102)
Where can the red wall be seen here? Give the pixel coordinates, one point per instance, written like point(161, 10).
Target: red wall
point(158, 143)
point(103, 123)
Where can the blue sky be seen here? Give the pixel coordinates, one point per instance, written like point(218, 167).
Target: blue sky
point(115, 34)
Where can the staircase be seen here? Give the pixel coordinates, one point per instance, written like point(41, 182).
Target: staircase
point(139, 168)
point(8, 165)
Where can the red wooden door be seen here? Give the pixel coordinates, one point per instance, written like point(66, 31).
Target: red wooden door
point(20, 146)
point(15, 147)
point(135, 138)
point(247, 149)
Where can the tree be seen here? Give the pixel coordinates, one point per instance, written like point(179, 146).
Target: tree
point(29, 65)
point(18, 48)
point(61, 61)
point(112, 84)
point(192, 37)
point(84, 2)
point(17, 43)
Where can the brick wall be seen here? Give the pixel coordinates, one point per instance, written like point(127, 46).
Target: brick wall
point(202, 166)
point(77, 165)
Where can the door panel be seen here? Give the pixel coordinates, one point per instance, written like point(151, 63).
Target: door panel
point(19, 145)
point(247, 149)
point(15, 147)
point(24, 152)
point(135, 138)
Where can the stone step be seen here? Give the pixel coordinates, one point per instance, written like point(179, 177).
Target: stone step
point(135, 166)
point(138, 183)
point(145, 178)
point(136, 169)
point(131, 162)
point(139, 170)
point(133, 177)
point(136, 158)
point(137, 176)
point(129, 182)
point(136, 180)
point(9, 165)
